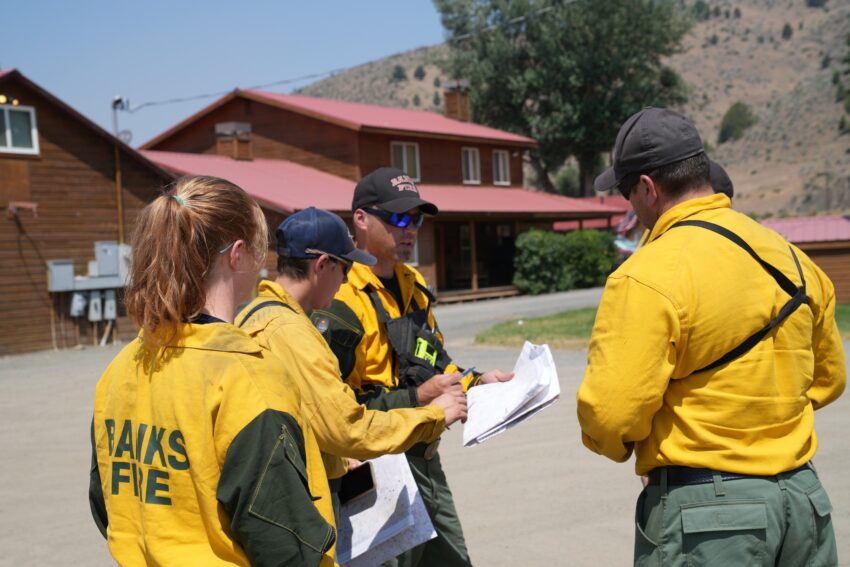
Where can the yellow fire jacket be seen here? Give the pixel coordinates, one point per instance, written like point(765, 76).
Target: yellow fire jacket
point(202, 457)
point(682, 301)
point(365, 355)
point(342, 426)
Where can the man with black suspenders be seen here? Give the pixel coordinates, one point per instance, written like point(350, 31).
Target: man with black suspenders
point(713, 345)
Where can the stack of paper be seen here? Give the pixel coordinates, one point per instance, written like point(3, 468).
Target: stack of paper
point(495, 408)
point(382, 524)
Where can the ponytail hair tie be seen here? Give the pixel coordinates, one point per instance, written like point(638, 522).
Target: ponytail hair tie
point(179, 200)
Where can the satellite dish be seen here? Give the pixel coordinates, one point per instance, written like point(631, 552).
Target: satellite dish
point(125, 136)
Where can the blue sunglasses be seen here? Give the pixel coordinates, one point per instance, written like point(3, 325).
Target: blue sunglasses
point(398, 220)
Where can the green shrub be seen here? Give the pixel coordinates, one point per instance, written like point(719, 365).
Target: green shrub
point(842, 125)
point(437, 82)
point(815, 3)
point(437, 100)
point(737, 119)
point(546, 261)
point(538, 263)
point(824, 63)
point(590, 256)
point(701, 10)
point(787, 31)
point(416, 100)
point(737, 13)
point(419, 73)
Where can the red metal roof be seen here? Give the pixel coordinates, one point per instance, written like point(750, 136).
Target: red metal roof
point(359, 116)
point(801, 230)
point(362, 115)
point(615, 201)
point(288, 187)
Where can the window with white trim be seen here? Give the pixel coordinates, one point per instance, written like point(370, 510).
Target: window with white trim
point(405, 156)
point(18, 132)
point(501, 167)
point(471, 165)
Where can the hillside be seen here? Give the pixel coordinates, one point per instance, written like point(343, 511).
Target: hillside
point(793, 161)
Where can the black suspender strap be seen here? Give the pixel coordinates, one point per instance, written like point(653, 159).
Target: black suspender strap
point(798, 294)
point(263, 305)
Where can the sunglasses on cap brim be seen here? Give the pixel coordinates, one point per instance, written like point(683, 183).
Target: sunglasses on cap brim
point(346, 264)
point(398, 220)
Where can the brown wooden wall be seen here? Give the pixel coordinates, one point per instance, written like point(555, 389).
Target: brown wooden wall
point(834, 260)
point(73, 182)
point(275, 134)
point(439, 160)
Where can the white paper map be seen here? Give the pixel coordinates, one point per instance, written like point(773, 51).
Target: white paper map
point(382, 524)
point(495, 408)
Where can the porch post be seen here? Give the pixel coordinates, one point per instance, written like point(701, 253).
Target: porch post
point(474, 256)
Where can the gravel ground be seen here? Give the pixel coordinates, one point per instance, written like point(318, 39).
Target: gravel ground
point(533, 496)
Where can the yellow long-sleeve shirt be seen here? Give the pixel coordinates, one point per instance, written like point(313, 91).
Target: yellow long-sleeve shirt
point(343, 427)
point(202, 457)
point(684, 299)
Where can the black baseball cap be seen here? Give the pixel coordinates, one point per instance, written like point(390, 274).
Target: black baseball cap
point(392, 190)
point(648, 140)
point(720, 181)
point(311, 232)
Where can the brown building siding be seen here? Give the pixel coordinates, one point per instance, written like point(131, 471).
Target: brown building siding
point(275, 134)
point(73, 183)
point(834, 259)
point(440, 160)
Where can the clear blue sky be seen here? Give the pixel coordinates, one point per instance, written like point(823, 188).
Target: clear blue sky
point(89, 51)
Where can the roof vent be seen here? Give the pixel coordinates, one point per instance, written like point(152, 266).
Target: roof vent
point(233, 139)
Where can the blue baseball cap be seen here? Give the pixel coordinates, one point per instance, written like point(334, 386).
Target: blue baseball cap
point(311, 232)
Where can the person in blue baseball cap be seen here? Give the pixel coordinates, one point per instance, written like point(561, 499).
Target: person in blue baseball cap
point(315, 251)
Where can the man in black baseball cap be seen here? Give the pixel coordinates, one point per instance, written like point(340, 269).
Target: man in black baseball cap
point(390, 350)
point(704, 365)
point(391, 190)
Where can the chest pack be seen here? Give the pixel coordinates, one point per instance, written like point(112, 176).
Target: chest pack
point(418, 352)
point(797, 294)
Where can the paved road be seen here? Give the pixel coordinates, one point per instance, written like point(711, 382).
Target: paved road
point(533, 496)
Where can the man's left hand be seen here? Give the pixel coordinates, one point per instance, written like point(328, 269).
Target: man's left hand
point(495, 375)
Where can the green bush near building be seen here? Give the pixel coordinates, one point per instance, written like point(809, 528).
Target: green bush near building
point(546, 261)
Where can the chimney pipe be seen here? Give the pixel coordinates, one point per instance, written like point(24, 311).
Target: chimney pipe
point(456, 100)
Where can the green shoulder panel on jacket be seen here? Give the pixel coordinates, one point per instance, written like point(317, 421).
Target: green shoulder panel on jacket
point(96, 500)
point(342, 329)
point(265, 489)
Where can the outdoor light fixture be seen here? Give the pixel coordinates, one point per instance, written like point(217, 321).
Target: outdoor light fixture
point(5, 99)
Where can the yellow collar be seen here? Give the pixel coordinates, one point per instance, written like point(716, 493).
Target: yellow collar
point(362, 275)
point(687, 209)
point(272, 289)
point(221, 337)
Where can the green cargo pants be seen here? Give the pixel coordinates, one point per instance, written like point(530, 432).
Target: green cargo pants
point(448, 549)
point(783, 521)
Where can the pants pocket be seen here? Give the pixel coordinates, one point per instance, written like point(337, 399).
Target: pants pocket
point(724, 534)
point(825, 552)
point(646, 549)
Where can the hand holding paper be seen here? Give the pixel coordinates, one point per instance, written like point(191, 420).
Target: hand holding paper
point(496, 407)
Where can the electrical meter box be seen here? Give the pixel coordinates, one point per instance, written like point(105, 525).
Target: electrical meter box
point(106, 256)
point(60, 275)
point(110, 305)
point(95, 306)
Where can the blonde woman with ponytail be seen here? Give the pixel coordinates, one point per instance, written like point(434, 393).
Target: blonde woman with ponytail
point(200, 453)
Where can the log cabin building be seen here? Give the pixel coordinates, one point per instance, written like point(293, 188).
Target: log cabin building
point(292, 151)
point(65, 184)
